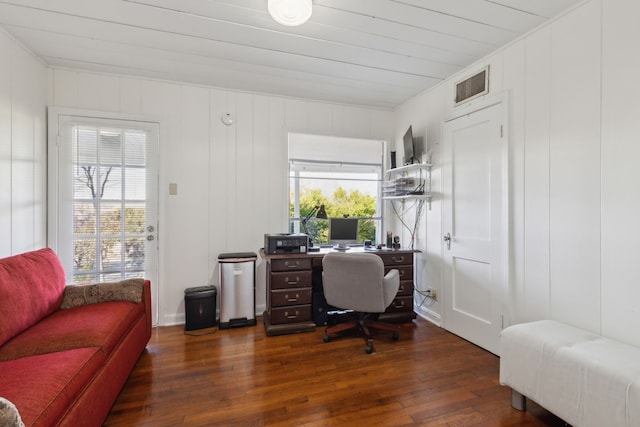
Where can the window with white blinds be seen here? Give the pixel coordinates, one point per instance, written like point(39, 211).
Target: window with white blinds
point(106, 198)
point(108, 203)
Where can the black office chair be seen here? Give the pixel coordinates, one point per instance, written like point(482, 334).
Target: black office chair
point(357, 283)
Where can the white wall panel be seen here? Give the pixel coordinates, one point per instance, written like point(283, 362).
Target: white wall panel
point(575, 168)
point(620, 171)
point(109, 93)
point(98, 92)
point(351, 121)
point(22, 150)
point(232, 167)
point(278, 182)
point(496, 72)
point(89, 90)
point(320, 117)
point(190, 226)
point(130, 98)
point(432, 269)
point(220, 180)
point(161, 101)
point(22, 170)
point(50, 86)
point(379, 125)
point(38, 80)
point(533, 303)
point(260, 201)
point(5, 146)
point(65, 90)
point(296, 115)
point(246, 235)
point(513, 82)
point(218, 177)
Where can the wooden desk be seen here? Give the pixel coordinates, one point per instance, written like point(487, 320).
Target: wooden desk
point(292, 279)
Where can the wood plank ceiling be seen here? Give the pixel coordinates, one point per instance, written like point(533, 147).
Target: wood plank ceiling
point(377, 53)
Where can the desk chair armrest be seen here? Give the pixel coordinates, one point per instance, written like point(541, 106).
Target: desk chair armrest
point(391, 285)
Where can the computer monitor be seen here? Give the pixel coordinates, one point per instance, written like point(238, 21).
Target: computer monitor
point(409, 147)
point(343, 232)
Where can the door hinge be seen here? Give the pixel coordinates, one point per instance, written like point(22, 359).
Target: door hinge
point(501, 131)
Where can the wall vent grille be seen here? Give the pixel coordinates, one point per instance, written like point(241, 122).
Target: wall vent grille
point(472, 87)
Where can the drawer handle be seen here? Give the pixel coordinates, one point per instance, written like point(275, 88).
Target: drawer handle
point(293, 264)
point(293, 299)
point(401, 272)
point(292, 282)
point(399, 306)
point(398, 259)
point(291, 316)
point(401, 288)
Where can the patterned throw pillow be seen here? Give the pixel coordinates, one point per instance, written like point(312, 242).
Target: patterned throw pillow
point(9, 416)
point(125, 290)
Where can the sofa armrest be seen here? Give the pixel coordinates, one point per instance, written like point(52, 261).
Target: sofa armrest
point(132, 290)
point(146, 300)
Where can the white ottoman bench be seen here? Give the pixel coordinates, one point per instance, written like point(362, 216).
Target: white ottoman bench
point(583, 378)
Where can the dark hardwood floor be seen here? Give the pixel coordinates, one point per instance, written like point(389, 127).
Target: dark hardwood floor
point(241, 377)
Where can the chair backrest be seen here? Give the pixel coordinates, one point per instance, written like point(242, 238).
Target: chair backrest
point(357, 282)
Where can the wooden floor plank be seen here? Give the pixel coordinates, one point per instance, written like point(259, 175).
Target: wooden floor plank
point(241, 377)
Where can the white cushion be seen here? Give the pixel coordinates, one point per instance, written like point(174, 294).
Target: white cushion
point(583, 378)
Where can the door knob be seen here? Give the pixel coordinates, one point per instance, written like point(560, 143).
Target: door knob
point(447, 239)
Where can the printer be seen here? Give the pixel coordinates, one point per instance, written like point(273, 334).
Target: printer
point(286, 243)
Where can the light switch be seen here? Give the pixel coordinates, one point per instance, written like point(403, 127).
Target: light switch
point(173, 189)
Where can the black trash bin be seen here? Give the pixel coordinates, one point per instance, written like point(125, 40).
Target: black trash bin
point(200, 308)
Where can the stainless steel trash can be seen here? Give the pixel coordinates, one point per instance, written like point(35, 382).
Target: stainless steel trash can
point(237, 289)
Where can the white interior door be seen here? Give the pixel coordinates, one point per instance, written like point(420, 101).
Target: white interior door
point(103, 194)
point(475, 226)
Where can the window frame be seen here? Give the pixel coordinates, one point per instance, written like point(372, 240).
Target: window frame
point(294, 223)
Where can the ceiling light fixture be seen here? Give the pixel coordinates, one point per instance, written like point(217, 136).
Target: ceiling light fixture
point(290, 12)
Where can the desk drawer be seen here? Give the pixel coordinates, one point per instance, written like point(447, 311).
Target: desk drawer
point(291, 264)
point(406, 271)
point(285, 297)
point(404, 303)
point(291, 314)
point(292, 279)
point(405, 289)
point(397, 259)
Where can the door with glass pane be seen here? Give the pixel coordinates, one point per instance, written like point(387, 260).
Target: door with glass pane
point(105, 207)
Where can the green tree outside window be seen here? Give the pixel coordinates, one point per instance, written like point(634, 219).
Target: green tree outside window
point(340, 204)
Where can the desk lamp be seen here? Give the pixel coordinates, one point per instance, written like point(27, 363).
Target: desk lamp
point(319, 212)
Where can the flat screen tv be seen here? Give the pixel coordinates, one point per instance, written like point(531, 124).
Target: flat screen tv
point(343, 232)
point(409, 148)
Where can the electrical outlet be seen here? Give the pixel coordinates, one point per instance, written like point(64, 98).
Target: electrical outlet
point(432, 293)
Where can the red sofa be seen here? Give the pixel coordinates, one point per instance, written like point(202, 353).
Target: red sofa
point(64, 367)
